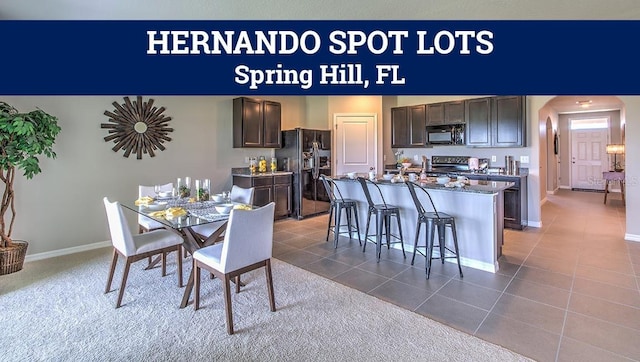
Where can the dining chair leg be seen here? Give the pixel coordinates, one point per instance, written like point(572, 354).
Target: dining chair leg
point(348, 212)
point(379, 224)
point(237, 284)
point(400, 234)
point(441, 240)
point(415, 242)
point(227, 304)
point(387, 225)
point(272, 300)
point(336, 227)
point(366, 232)
point(355, 215)
point(125, 274)
point(114, 261)
point(179, 260)
point(432, 231)
point(455, 244)
point(164, 264)
point(196, 285)
point(329, 223)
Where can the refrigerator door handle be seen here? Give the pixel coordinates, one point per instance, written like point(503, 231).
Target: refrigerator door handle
point(316, 161)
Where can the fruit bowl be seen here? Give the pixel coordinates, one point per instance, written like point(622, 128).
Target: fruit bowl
point(406, 164)
point(387, 176)
point(224, 208)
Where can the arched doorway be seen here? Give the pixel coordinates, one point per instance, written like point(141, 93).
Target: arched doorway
point(554, 132)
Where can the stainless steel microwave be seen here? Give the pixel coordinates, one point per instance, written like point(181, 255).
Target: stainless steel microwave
point(450, 134)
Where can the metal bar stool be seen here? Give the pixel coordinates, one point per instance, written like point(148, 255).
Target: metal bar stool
point(383, 213)
point(433, 220)
point(338, 204)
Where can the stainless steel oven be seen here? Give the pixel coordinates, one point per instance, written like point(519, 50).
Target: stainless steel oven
point(450, 134)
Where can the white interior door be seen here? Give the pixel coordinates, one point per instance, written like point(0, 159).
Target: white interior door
point(588, 158)
point(356, 144)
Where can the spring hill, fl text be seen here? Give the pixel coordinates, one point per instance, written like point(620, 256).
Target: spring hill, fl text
point(352, 43)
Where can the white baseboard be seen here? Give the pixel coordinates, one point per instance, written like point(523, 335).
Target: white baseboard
point(475, 264)
point(534, 224)
point(632, 237)
point(565, 187)
point(543, 201)
point(67, 251)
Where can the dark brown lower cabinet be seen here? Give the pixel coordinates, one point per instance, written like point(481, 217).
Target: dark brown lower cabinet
point(516, 206)
point(269, 188)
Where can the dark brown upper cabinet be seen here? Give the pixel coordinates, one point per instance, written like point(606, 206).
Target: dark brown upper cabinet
point(496, 121)
point(478, 120)
point(509, 126)
point(445, 113)
point(408, 126)
point(256, 123)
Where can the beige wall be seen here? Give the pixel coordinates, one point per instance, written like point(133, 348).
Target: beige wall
point(62, 206)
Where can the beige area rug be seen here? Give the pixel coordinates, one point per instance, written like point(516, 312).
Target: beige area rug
point(55, 310)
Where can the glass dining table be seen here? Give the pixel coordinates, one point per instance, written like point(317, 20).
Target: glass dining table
point(180, 216)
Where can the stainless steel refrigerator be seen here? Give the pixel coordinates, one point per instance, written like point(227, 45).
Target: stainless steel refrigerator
point(307, 153)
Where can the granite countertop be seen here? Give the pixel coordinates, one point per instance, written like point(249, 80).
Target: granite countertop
point(472, 186)
point(244, 172)
point(523, 172)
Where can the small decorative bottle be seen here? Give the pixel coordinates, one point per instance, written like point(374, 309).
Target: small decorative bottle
point(274, 164)
point(262, 164)
point(252, 165)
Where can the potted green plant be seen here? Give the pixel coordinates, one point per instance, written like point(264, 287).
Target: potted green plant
point(23, 137)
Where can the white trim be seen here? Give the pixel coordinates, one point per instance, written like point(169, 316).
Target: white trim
point(534, 224)
point(543, 201)
point(565, 187)
point(67, 251)
point(475, 264)
point(632, 237)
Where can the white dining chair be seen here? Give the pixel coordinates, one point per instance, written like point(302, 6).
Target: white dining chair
point(242, 195)
point(144, 223)
point(238, 194)
point(243, 250)
point(137, 247)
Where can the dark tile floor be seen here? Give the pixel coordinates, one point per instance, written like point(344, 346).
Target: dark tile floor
point(565, 292)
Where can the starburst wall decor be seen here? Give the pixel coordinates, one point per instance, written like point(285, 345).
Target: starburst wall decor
point(137, 127)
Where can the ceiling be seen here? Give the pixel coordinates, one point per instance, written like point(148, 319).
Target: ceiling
point(568, 104)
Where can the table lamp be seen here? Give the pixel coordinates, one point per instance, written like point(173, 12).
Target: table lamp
point(615, 150)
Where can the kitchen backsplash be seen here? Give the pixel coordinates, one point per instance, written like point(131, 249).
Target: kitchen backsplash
point(499, 154)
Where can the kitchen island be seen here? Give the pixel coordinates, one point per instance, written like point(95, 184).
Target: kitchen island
point(477, 207)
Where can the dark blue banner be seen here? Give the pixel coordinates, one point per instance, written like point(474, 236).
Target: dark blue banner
point(319, 57)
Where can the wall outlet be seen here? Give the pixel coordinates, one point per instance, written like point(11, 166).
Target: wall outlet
point(416, 158)
point(494, 159)
point(524, 159)
point(246, 160)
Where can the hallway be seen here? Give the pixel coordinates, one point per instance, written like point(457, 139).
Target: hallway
point(567, 291)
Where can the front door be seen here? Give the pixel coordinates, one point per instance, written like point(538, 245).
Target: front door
point(588, 158)
point(356, 144)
